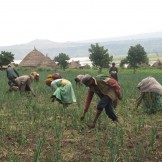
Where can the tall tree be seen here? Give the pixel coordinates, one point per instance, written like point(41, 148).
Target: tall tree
point(99, 56)
point(137, 56)
point(6, 58)
point(62, 59)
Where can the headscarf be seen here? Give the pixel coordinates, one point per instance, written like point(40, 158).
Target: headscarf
point(150, 84)
point(56, 76)
point(35, 75)
point(52, 77)
point(86, 78)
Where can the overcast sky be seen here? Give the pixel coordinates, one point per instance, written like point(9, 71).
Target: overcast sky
point(73, 20)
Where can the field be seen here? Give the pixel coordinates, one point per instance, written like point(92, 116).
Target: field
point(34, 129)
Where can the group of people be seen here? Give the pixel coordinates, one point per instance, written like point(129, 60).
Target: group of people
point(106, 88)
point(21, 83)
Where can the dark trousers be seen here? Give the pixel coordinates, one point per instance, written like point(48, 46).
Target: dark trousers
point(12, 82)
point(107, 103)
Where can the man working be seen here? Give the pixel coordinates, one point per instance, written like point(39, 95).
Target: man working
point(108, 91)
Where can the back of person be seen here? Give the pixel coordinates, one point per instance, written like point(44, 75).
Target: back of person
point(11, 73)
point(22, 79)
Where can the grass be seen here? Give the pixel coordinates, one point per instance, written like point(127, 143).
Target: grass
point(34, 129)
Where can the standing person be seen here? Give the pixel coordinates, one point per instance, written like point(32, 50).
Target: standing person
point(12, 74)
point(113, 71)
point(108, 91)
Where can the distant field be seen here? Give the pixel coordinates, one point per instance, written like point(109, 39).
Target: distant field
point(152, 58)
point(34, 129)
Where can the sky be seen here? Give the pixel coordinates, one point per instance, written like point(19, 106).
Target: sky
point(23, 21)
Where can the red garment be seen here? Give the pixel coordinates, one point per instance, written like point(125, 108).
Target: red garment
point(88, 100)
point(113, 83)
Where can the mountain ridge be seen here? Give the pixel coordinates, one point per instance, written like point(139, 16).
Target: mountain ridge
point(152, 43)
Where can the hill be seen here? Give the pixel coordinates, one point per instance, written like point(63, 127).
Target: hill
point(116, 46)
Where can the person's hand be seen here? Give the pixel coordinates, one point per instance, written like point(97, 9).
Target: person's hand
point(91, 125)
point(82, 118)
point(53, 100)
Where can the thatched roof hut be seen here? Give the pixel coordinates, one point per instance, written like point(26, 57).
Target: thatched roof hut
point(157, 63)
point(74, 65)
point(36, 59)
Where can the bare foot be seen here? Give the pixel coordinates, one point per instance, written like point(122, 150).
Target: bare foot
point(91, 125)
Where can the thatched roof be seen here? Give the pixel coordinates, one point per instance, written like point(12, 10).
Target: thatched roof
point(74, 65)
point(157, 63)
point(36, 59)
point(48, 62)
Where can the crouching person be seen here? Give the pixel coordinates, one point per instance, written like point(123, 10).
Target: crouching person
point(63, 90)
point(24, 83)
point(108, 91)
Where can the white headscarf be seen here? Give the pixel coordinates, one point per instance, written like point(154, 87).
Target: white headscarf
point(150, 84)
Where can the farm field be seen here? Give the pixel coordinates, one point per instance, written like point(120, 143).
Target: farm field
point(35, 129)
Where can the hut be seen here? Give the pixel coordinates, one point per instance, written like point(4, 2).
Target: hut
point(36, 59)
point(74, 65)
point(157, 63)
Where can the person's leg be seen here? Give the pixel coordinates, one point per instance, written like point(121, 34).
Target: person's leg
point(109, 109)
point(100, 107)
point(92, 124)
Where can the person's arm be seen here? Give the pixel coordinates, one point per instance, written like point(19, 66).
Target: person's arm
point(16, 72)
point(116, 70)
point(88, 101)
point(29, 83)
point(139, 99)
point(110, 70)
point(7, 73)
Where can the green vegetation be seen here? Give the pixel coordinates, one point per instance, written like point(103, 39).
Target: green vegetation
point(136, 56)
point(35, 129)
point(6, 58)
point(62, 59)
point(99, 56)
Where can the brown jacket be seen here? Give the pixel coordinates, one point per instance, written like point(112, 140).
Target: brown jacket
point(24, 83)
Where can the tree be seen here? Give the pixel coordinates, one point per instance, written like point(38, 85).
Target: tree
point(137, 56)
point(6, 58)
point(99, 56)
point(62, 59)
point(123, 61)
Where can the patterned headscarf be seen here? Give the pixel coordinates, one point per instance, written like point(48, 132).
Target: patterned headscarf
point(56, 76)
point(52, 77)
point(36, 75)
